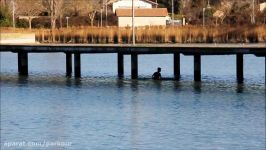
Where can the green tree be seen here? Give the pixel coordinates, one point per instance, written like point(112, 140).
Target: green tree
point(5, 17)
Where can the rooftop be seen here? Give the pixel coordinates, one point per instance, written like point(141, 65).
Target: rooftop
point(148, 1)
point(139, 12)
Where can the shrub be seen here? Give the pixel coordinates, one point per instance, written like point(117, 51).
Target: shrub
point(5, 17)
point(22, 23)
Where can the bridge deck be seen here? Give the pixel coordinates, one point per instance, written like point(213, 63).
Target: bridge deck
point(189, 49)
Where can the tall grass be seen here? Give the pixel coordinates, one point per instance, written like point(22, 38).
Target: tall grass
point(158, 34)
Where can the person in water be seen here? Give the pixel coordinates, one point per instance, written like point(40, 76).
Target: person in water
point(157, 75)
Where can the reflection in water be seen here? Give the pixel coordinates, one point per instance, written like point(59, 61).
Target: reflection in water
point(239, 103)
point(68, 82)
point(135, 124)
point(197, 87)
point(22, 80)
point(158, 84)
point(240, 88)
point(134, 85)
point(78, 82)
point(120, 83)
point(58, 123)
point(177, 85)
point(197, 97)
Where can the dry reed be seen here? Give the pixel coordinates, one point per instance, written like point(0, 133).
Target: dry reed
point(156, 34)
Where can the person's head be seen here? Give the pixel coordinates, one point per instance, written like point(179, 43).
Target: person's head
point(159, 69)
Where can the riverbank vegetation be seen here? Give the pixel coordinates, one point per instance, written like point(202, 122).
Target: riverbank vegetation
point(185, 34)
point(85, 21)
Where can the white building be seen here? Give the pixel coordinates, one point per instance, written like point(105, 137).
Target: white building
point(262, 6)
point(143, 17)
point(127, 4)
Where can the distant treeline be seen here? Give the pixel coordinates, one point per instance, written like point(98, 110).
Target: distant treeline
point(88, 12)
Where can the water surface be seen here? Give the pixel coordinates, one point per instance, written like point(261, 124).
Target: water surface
point(100, 111)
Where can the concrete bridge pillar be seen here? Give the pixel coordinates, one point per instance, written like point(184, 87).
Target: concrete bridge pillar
point(68, 64)
point(134, 66)
point(77, 63)
point(239, 68)
point(23, 63)
point(120, 65)
point(177, 66)
point(197, 67)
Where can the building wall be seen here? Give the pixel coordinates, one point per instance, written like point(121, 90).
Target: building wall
point(262, 6)
point(142, 21)
point(17, 38)
point(128, 4)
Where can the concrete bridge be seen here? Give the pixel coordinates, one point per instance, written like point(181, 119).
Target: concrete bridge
point(196, 50)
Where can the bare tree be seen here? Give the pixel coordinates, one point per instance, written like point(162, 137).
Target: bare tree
point(85, 7)
point(28, 9)
point(223, 11)
point(54, 8)
point(92, 7)
point(24, 9)
point(219, 14)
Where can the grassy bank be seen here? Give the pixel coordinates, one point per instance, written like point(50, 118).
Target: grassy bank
point(187, 34)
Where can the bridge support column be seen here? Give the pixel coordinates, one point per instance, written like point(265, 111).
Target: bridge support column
point(120, 65)
point(239, 68)
point(77, 65)
point(68, 64)
point(134, 66)
point(23, 63)
point(197, 67)
point(177, 66)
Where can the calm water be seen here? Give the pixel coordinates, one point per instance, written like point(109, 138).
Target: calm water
point(99, 111)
